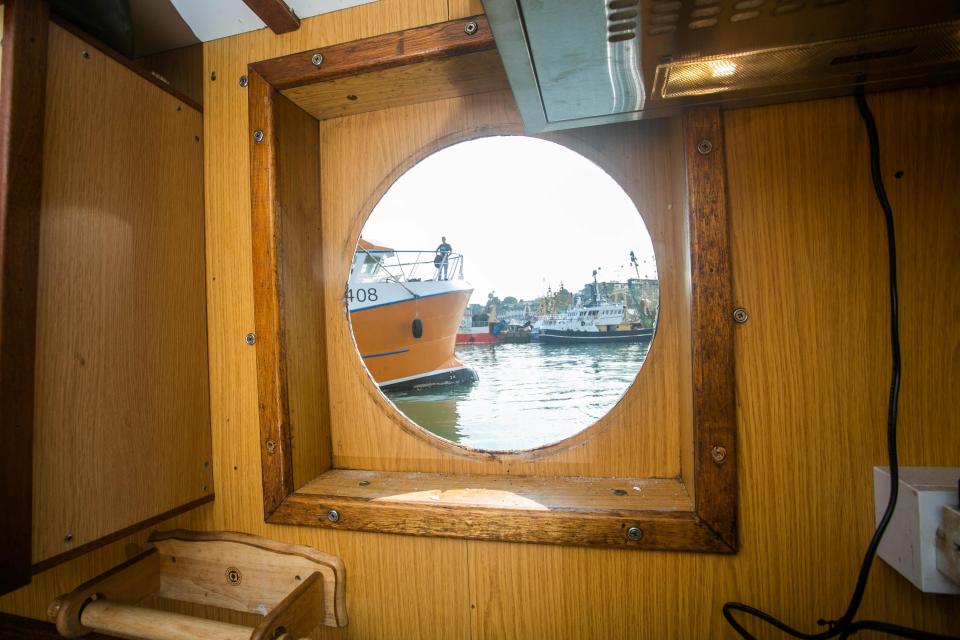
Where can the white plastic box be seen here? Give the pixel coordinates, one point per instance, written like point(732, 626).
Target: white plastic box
point(910, 543)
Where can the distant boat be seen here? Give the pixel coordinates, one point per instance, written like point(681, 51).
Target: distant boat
point(602, 322)
point(597, 321)
point(405, 316)
point(479, 328)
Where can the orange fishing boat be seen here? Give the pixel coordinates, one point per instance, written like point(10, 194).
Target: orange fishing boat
point(405, 308)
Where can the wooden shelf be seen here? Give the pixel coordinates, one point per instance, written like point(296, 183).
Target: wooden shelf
point(295, 588)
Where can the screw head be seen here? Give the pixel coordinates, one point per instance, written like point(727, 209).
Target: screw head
point(316, 59)
point(258, 136)
point(364, 483)
point(718, 453)
point(634, 533)
point(250, 338)
point(470, 28)
point(213, 76)
point(233, 575)
point(244, 81)
point(85, 54)
point(68, 537)
point(740, 315)
point(333, 515)
point(704, 147)
point(271, 446)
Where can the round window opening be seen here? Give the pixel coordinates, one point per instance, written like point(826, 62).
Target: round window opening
point(504, 293)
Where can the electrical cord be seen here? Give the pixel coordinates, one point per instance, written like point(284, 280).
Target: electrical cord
point(846, 626)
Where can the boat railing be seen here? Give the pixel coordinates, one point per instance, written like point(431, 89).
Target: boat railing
point(413, 265)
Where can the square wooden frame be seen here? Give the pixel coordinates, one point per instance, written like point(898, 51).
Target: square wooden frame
point(709, 525)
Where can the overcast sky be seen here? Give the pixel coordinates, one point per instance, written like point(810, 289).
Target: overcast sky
point(525, 213)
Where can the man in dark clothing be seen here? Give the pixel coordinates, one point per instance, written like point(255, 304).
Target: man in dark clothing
point(440, 261)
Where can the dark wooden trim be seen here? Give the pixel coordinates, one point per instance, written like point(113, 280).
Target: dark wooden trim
point(714, 409)
point(712, 524)
point(661, 530)
point(17, 628)
point(432, 42)
point(276, 456)
point(22, 100)
point(51, 562)
point(126, 62)
point(275, 14)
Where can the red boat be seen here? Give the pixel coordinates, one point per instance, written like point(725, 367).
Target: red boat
point(479, 328)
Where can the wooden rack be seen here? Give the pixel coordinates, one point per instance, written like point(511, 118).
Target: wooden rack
point(295, 588)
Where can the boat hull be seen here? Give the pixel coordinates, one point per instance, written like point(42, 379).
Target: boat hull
point(395, 357)
point(560, 336)
point(477, 336)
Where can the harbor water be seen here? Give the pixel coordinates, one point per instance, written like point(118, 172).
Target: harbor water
point(528, 395)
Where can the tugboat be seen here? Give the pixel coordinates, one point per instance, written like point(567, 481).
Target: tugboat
point(405, 310)
point(598, 321)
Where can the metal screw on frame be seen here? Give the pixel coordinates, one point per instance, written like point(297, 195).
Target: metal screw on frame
point(244, 81)
point(333, 515)
point(740, 315)
point(470, 28)
point(719, 454)
point(271, 446)
point(258, 136)
point(634, 533)
point(704, 147)
point(316, 59)
point(250, 339)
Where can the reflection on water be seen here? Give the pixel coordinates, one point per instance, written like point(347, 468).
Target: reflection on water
point(528, 395)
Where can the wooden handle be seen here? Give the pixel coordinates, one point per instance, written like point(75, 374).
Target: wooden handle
point(150, 624)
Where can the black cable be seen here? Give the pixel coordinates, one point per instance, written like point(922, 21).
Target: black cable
point(846, 626)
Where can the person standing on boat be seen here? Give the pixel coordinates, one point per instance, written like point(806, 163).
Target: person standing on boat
point(443, 255)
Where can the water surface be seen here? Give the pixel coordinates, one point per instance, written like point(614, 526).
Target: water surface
point(528, 395)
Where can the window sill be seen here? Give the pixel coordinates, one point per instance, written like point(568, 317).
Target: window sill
point(554, 510)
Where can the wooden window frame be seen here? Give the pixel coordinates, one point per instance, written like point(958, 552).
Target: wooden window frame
point(710, 522)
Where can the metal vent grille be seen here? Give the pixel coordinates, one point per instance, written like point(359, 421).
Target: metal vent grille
point(887, 54)
point(623, 20)
point(666, 17)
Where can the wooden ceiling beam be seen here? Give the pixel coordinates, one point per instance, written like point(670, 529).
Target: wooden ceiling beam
point(276, 14)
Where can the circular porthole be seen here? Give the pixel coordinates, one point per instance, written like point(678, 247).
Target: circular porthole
point(503, 294)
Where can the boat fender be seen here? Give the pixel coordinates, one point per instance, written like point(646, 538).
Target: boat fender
point(417, 328)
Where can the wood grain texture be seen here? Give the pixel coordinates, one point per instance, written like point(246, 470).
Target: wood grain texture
point(463, 75)
point(275, 14)
point(808, 264)
point(276, 457)
point(122, 384)
point(714, 413)
point(22, 103)
point(194, 564)
point(148, 68)
point(639, 437)
point(301, 277)
point(128, 621)
point(399, 49)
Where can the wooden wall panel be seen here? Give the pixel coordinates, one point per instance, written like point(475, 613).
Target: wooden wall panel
point(362, 156)
point(301, 273)
point(122, 400)
point(811, 384)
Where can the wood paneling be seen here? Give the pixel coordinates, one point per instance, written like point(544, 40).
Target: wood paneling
point(714, 416)
point(122, 396)
point(639, 437)
point(460, 76)
point(25, 28)
point(401, 48)
point(811, 378)
point(301, 276)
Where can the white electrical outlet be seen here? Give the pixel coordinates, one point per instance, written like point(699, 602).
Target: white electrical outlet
point(910, 543)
